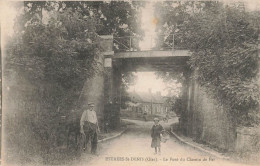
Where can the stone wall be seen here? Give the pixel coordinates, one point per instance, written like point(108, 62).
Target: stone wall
point(104, 88)
point(94, 88)
point(209, 122)
point(248, 143)
point(217, 127)
point(205, 120)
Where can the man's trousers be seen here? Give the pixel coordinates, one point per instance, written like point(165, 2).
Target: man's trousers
point(90, 131)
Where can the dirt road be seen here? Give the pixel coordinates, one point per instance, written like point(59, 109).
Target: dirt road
point(134, 148)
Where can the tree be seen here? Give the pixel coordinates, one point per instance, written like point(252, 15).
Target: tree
point(224, 50)
point(62, 51)
point(54, 50)
point(117, 18)
point(175, 103)
point(176, 84)
point(54, 58)
point(128, 79)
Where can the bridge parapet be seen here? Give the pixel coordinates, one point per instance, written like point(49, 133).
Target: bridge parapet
point(150, 42)
point(153, 54)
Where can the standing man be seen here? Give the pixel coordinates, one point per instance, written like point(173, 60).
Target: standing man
point(89, 127)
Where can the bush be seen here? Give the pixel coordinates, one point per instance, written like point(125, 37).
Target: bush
point(46, 67)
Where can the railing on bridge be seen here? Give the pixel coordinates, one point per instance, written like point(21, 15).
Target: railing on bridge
point(134, 43)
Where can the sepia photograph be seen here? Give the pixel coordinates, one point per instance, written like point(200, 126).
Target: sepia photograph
point(122, 82)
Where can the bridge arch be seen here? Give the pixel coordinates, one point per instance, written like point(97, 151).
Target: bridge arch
point(148, 60)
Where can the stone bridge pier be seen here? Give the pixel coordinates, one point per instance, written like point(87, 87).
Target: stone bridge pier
point(112, 86)
point(104, 87)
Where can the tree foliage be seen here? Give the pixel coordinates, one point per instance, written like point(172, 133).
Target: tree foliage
point(61, 52)
point(128, 79)
point(118, 18)
point(54, 50)
point(175, 103)
point(55, 58)
point(224, 50)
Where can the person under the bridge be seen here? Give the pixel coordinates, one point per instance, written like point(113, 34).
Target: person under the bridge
point(156, 136)
point(89, 127)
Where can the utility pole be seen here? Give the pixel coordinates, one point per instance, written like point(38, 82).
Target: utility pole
point(172, 42)
point(258, 49)
point(120, 94)
point(130, 44)
point(151, 105)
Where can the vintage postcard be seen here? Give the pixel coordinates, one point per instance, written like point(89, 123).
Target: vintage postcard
point(104, 83)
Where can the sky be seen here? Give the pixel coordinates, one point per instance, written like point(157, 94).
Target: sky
point(148, 25)
point(7, 14)
point(148, 80)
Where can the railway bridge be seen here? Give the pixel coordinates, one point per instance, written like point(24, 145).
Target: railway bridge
point(200, 119)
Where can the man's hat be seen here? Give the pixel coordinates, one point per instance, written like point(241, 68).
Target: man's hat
point(91, 104)
point(156, 119)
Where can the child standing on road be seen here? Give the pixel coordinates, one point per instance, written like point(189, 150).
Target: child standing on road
point(156, 136)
